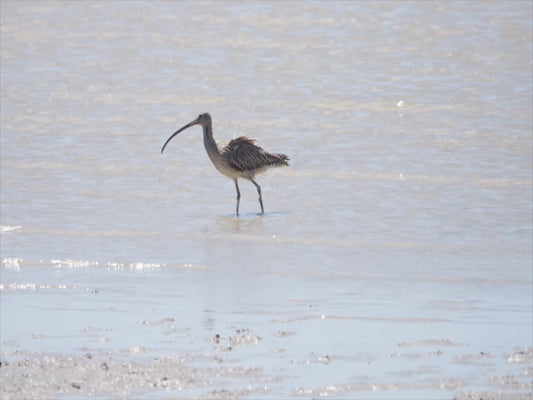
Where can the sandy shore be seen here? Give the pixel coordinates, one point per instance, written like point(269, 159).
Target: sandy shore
point(91, 332)
point(131, 373)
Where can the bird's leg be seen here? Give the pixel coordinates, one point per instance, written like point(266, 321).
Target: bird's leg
point(260, 198)
point(238, 196)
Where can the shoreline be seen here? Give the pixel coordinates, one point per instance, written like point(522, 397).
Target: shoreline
point(125, 374)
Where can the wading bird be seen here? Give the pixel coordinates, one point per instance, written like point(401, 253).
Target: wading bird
point(240, 158)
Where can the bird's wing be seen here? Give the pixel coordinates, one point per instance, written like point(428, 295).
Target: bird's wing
point(244, 155)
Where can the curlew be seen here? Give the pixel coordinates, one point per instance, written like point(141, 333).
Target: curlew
point(240, 158)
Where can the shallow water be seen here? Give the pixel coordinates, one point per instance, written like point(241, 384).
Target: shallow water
point(395, 255)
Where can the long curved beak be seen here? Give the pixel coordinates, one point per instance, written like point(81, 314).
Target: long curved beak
point(192, 123)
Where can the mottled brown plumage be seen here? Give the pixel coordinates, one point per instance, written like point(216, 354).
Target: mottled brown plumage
point(240, 158)
point(244, 155)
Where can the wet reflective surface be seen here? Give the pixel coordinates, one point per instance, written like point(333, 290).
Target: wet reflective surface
point(394, 257)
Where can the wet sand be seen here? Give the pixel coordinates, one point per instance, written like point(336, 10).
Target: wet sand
point(83, 330)
point(217, 375)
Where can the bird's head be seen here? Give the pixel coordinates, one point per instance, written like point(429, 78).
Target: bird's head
point(203, 120)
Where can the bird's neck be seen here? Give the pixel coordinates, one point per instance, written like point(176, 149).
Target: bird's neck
point(210, 144)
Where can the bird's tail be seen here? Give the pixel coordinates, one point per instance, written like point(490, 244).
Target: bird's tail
point(280, 160)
